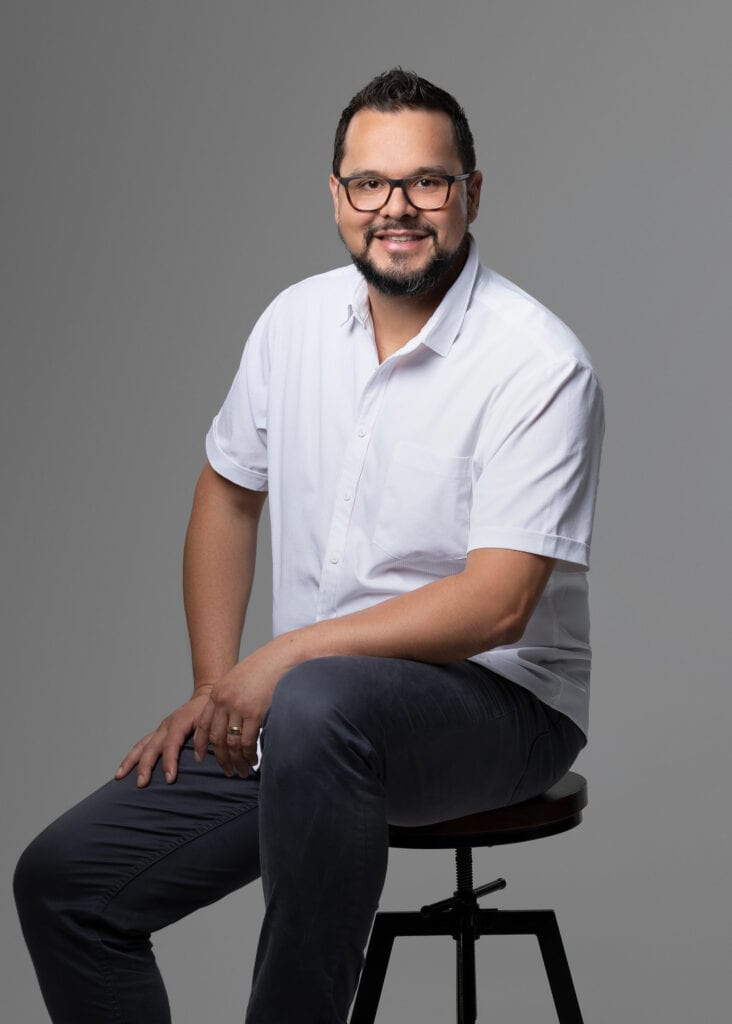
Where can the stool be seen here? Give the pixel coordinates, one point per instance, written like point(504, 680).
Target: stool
point(556, 810)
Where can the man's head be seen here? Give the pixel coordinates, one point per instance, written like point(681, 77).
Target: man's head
point(400, 126)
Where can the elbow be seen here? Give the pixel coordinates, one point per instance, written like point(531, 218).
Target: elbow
point(513, 633)
point(510, 630)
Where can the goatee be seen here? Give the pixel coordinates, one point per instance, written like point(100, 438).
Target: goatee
point(441, 267)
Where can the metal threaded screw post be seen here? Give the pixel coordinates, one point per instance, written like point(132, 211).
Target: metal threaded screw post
point(464, 866)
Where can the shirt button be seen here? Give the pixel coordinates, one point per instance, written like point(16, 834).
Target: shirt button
point(334, 559)
point(346, 495)
point(361, 431)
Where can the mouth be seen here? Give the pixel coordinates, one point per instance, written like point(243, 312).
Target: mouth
point(400, 241)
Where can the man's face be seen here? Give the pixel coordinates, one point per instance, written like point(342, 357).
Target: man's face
point(402, 250)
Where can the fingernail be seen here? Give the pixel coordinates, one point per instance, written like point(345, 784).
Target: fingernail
point(197, 757)
point(168, 776)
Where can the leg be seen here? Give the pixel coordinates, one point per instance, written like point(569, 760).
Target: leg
point(353, 743)
point(121, 864)
point(557, 969)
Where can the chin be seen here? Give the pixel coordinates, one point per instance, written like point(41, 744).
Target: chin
point(399, 278)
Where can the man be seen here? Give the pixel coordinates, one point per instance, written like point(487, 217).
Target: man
point(429, 438)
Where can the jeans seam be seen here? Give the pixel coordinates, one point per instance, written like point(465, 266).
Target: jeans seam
point(524, 773)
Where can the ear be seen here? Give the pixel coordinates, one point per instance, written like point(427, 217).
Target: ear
point(474, 186)
point(334, 190)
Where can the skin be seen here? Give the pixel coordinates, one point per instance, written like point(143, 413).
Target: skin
point(397, 145)
point(487, 604)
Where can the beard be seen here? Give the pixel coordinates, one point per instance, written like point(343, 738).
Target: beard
point(443, 265)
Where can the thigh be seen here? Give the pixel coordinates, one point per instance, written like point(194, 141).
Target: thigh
point(464, 739)
point(143, 858)
point(444, 740)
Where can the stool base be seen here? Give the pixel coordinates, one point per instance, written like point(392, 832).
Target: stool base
point(466, 922)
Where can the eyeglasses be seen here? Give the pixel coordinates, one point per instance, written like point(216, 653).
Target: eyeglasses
point(367, 193)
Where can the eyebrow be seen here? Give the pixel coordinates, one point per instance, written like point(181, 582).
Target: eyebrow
point(359, 172)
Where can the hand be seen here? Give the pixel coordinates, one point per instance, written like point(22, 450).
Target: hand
point(167, 740)
point(240, 699)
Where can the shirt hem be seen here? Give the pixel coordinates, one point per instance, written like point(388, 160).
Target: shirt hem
point(573, 552)
point(231, 470)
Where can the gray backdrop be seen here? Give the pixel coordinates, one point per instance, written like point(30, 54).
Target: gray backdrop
point(150, 151)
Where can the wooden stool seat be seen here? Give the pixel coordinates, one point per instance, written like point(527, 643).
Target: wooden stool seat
point(557, 810)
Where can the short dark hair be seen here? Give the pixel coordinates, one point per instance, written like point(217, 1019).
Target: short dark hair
point(396, 89)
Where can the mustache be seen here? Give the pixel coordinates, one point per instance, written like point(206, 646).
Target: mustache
point(406, 224)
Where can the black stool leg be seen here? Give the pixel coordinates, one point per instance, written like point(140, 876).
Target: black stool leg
point(542, 924)
point(374, 970)
point(557, 969)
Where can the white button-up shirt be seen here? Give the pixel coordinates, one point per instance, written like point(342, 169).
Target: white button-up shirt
point(482, 431)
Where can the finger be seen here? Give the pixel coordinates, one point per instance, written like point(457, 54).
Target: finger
point(150, 758)
point(250, 734)
point(171, 756)
point(237, 754)
point(217, 739)
point(201, 735)
point(130, 759)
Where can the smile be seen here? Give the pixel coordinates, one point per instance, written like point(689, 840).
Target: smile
point(400, 241)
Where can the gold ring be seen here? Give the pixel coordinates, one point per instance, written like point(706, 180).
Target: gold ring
point(234, 730)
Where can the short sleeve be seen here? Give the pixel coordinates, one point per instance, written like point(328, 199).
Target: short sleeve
point(538, 464)
point(236, 444)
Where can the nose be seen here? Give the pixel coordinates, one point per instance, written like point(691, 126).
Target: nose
point(398, 205)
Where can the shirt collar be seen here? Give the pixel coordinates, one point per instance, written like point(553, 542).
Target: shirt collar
point(443, 326)
point(357, 307)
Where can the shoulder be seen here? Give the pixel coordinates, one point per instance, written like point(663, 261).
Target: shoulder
point(523, 325)
point(332, 289)
point(300, 317)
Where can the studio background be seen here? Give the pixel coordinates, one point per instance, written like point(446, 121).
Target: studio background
point(164, 176)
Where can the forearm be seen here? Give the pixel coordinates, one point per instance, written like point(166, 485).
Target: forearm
point(453, 618)
point(218, 572)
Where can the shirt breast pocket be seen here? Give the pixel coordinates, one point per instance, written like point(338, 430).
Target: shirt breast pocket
point(424, 512)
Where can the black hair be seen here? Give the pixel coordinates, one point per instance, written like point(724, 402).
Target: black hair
point(396, 89)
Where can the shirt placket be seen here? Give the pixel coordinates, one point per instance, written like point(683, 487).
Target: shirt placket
point(347, 490)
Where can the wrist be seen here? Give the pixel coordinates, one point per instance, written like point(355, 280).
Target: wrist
point(202, 689)
point(296, 646)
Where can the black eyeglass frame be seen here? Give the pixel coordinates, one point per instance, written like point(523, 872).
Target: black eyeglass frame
point(401, 183)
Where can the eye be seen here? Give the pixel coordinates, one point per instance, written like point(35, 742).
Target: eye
point(425, 184)
point(367, 184)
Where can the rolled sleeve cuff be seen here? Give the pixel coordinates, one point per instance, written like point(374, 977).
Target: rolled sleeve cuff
point(574, 553)
point(226, 467)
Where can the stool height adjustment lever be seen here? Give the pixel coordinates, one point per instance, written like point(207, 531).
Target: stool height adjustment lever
point(465, 894)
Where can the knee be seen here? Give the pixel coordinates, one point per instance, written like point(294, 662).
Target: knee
point(317, 704)
point(36, 876)
point(304, 698)
point(53, 874)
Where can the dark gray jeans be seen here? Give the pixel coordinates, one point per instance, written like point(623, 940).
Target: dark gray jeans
point(350, 743)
